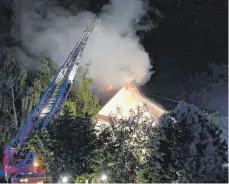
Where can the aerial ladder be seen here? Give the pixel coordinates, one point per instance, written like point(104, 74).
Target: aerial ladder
point(50, 102)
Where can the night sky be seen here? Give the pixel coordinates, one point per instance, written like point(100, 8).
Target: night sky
point(192, 35)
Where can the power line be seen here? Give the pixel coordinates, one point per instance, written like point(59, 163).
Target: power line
point(175, 101)
point(165, 98)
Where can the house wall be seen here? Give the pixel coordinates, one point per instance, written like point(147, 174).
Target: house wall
point(125, 100)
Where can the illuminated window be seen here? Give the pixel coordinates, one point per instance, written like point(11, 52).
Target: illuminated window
point(118, 110)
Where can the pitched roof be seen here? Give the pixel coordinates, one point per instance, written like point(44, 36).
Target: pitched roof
point(129, 97)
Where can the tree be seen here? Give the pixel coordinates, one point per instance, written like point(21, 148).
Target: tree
point(17, 89)
point(92, 178)
point(72, 131)
point(186, 147)
point(67, 145)
point(208, 90)
point(145, 176)
point(41, 143)
point(12, 87)
point(81, 100)
point(221, 122)
point(122, 149)
point(7, 133)
point(40, 81)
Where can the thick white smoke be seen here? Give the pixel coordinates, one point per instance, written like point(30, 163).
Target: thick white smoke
point(114, 50)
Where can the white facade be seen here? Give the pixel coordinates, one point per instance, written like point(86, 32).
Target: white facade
point(126, 99)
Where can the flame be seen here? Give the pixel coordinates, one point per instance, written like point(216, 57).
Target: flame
point(36, 164)
point(107, 89)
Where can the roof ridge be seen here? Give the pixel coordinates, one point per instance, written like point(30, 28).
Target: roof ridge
point(142, 99)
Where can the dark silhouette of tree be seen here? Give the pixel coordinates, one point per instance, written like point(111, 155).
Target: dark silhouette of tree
point(66, 146)
point(186, 147)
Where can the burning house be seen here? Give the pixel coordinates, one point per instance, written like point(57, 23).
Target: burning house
point(126, 99)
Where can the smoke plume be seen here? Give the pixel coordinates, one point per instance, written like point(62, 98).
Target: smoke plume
point(113, 49)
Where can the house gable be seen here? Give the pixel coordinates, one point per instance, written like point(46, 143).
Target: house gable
point(126, 99)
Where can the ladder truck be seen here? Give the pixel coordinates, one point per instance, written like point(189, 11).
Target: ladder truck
point(26, 170)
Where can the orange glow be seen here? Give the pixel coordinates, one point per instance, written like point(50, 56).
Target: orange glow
point(107, 89)
point(36, 164)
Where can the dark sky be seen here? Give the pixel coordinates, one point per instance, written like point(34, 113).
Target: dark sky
point(192, 35)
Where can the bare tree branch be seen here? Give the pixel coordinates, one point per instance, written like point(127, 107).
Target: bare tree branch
point(19, 94)
point(6, 91)
point(14, 108)
point(10, 115)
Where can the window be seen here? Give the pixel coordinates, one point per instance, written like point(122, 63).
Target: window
point(118, 110)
